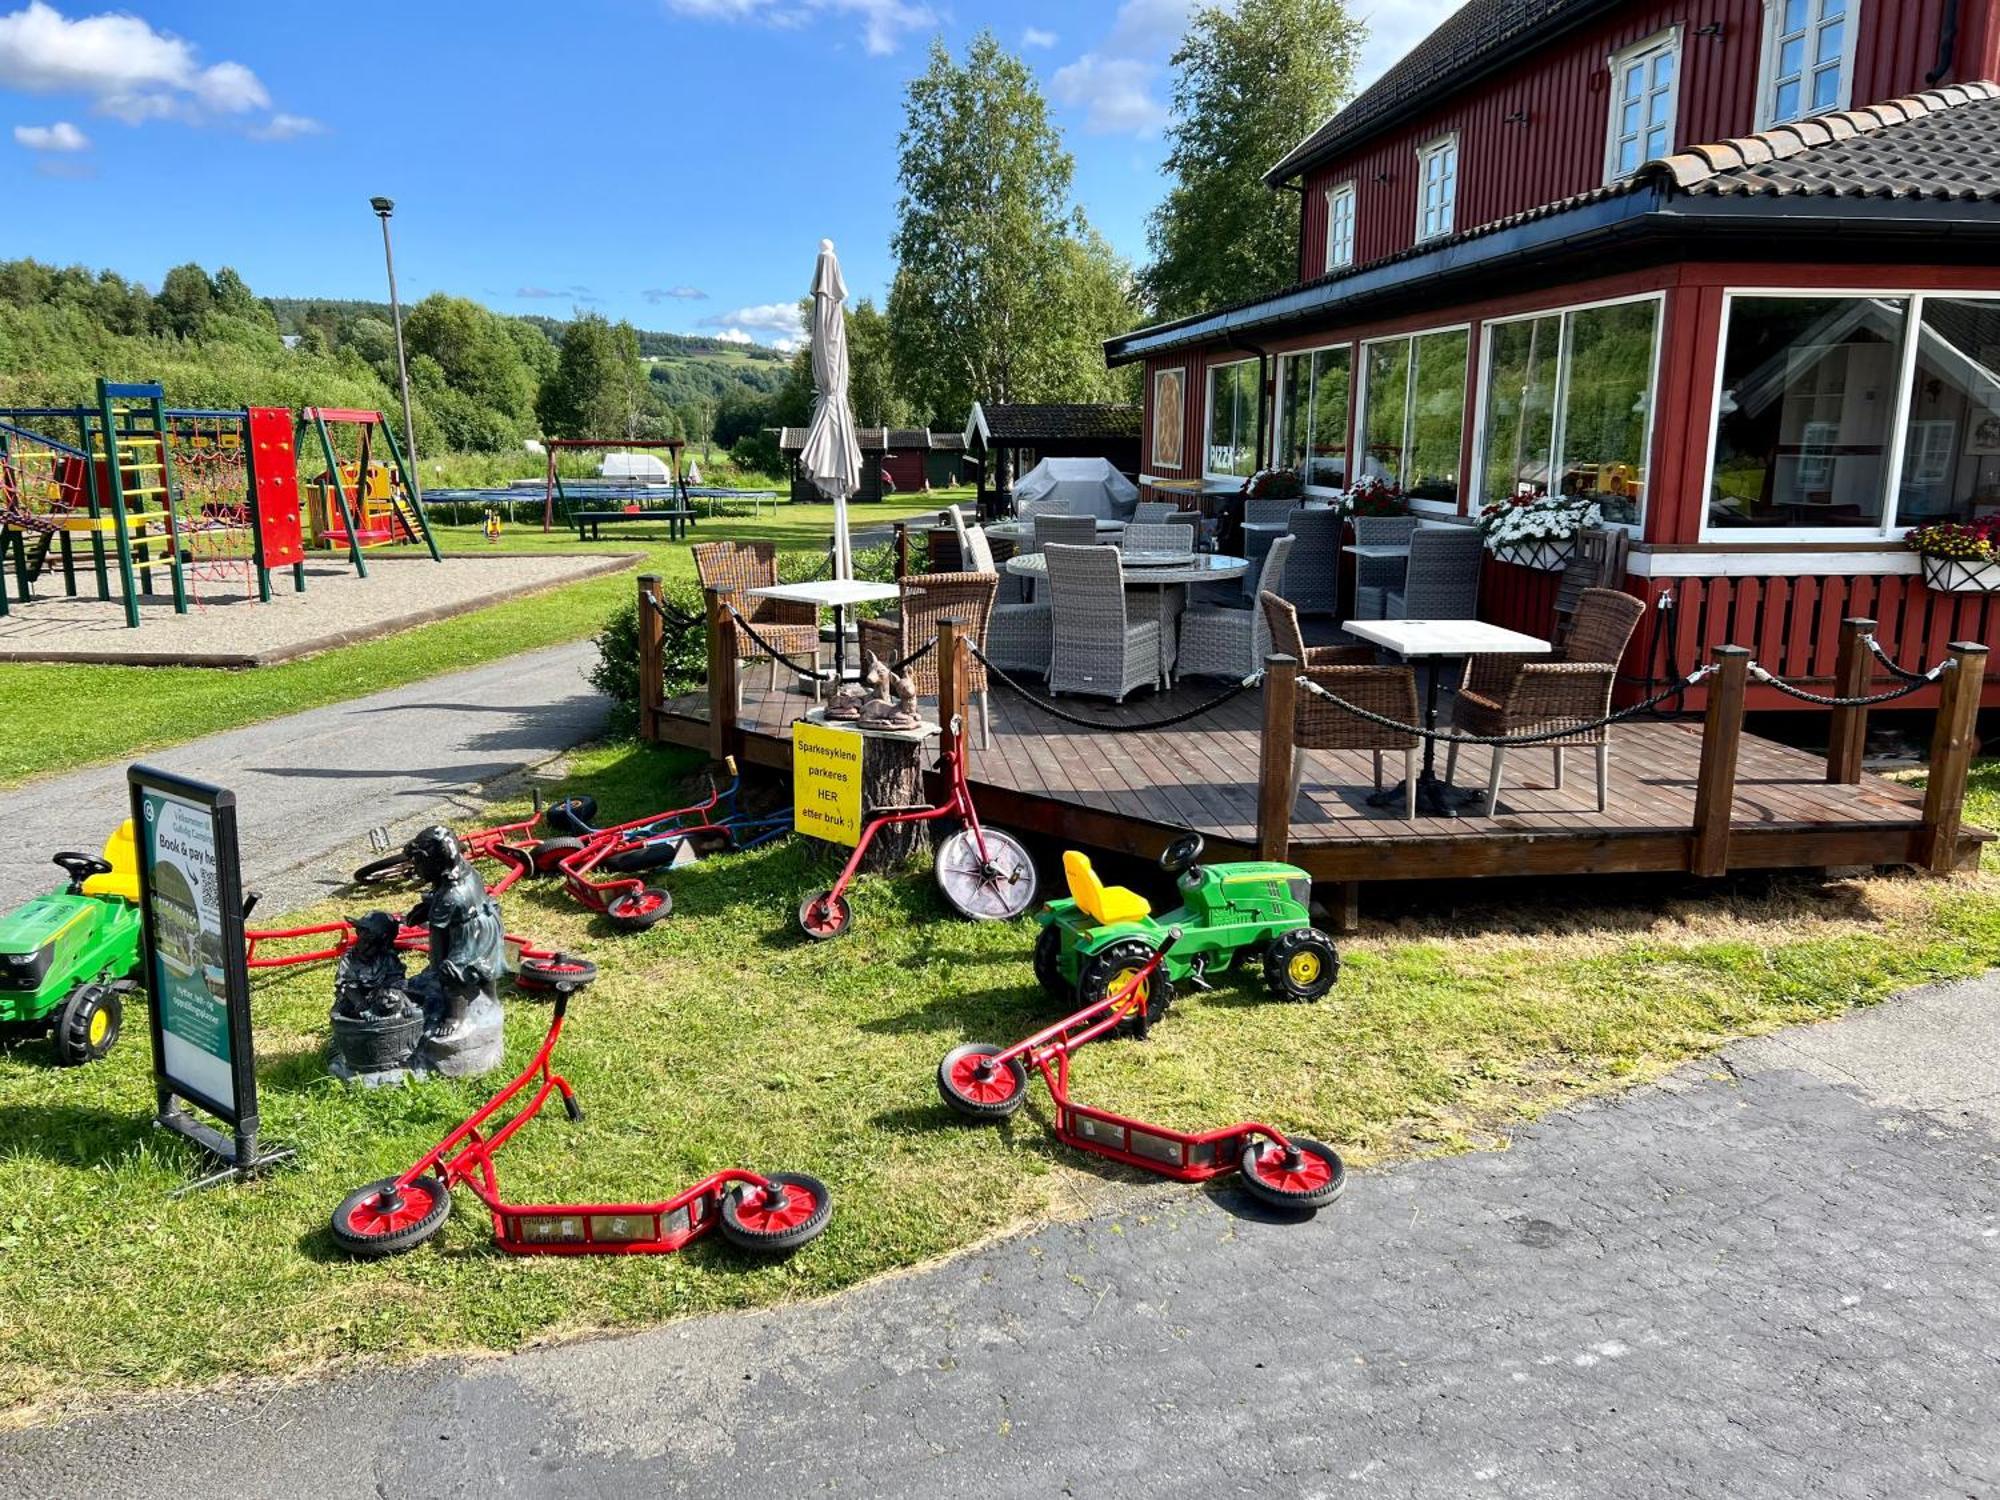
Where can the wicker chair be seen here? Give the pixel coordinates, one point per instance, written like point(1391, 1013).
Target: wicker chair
point(1152, 512)
point(1375, 578)
point(1155, 536)
point(1220, 642)
point(1288, 640)
point(790, 628)
point(1017, 633)
point(1443, 578)
point(1314, 571)
point(1098, 648)
point(928, 598)
point(1071, 531)
point(1596, 561)
point(1510, 695)
point(1268, 511)
point(1320, 725)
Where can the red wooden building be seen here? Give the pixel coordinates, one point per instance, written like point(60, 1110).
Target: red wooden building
point(1733, 270)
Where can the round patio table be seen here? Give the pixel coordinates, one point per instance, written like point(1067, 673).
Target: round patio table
point(1163, 586)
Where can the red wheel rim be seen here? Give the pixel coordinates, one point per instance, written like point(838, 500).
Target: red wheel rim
point(997, 1087)
point(1312, 1173)
point(368, 1219)
point(637, 904)
point(826, 915)
point(757, 1213)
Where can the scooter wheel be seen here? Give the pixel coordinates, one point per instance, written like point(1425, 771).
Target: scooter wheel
point(706, 841)
point(572, 815)
point(757, 1220)
point(978, 1087)
point(1301, 965)
point(550, 853)
point(371, 1224)
point(997, 888)
point(392, 869)
point(635, 911)
point(559, 974)
point(1303, 1175)
point(824, 916)
point(643, 859)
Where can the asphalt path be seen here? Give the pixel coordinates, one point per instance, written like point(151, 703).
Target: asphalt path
point(318, 781)
point(1776, 1275)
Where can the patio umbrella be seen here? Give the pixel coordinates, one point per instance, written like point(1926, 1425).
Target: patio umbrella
point(831, 458)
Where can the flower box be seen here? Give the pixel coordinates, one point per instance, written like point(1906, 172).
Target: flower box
point(1540, 553)
point(1958, 575)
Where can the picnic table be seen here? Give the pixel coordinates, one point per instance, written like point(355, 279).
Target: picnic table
point(678, 518)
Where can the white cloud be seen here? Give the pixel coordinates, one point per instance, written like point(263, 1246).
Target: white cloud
point(658, 294)
point(733, 336)
point(1115, 93)
point(788, 346)
point(61, 136)
point(884, 23)
point(779, 318)
point(284, 127)
point(129, 71)
point(1147, 28)
point(1034, 36)
point(1393, 30)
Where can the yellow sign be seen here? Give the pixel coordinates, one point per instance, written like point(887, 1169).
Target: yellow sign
point(826, 782)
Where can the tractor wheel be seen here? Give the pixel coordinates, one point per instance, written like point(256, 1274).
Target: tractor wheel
point(89, 1024)
point(635, 911)
point(791, 1210)
point(824, 916)
point(392, 869)
point(1106, 973)
point(1302, 1175)
point(572, 815)
point(550, 853)
point(1048, 965)
point(1301, 965)
point(371, 1222)
point(979, 1088)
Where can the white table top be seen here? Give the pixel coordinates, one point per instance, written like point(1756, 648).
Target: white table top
point(1203, 569)
point(838, 592)
point(1024, 531)
point(1446, 638)
point(1377, 551)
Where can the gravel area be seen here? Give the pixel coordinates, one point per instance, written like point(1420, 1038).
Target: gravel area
point(224, 628)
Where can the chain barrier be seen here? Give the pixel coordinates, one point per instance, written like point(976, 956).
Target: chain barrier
point(813, 674)
point(1895, 670)
point(1056, 711)
point(1915, 682)
point(1541, 737)
point(915, 656)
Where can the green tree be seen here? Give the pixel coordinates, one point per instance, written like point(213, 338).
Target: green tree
point(597, 385)
point(186, 299)
point(480, 359)
point(1248, 82)
point(987, 243)
point(872, 388)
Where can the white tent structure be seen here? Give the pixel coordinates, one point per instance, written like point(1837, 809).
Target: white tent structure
point(642, 468)
point(1075, 487)
point(831, 458)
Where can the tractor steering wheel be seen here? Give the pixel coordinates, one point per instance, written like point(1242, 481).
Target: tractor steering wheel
point(79, 868)
point(1181, 855)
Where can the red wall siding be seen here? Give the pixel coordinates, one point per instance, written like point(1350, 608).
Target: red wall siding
point(905, 468)
point(1564, 92)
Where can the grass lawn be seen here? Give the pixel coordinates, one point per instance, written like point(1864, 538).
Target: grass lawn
point(94, 713)
point(720, 1038)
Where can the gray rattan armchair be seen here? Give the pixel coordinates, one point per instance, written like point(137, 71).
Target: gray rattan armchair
point(1070, 531)
point(1152, 512)
point(927, 599)
point(1156, 536)
point(742, 566)
point(1443, 578)
point(1313, 574)
point(1218, 642)
point(1506, 695)
point(1098, 648)
point(1375, 578)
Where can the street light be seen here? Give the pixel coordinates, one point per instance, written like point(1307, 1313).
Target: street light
point(383, 208)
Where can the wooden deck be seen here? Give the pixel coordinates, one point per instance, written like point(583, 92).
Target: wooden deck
point(1130, 789)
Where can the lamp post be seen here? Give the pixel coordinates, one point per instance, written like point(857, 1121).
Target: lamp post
point(383, 208)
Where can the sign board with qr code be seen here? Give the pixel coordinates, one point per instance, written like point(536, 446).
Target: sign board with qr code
point(195, 966)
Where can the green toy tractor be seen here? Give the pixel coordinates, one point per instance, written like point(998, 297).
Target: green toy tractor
point(1091, 945)
point(68, 957)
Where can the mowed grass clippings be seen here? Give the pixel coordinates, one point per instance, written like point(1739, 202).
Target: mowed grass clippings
point(63, 715)
point(722, 1038)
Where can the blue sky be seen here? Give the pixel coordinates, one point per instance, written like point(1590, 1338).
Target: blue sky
point(653, 159)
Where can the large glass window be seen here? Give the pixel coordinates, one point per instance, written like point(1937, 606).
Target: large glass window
point(1437, 187)
point(1312, 415)
point(1340, 226)
point(1808, 403)
point(1232, 420)
point(1951, 437)
point(1518, 439)
point(1642, 102)
point(1805, 58)
point(1413, 413)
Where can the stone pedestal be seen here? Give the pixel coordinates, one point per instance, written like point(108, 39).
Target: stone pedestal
point(474, 1046)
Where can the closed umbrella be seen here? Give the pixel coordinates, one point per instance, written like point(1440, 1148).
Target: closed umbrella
point(831, 458)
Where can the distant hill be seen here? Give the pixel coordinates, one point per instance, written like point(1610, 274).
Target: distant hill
point(294, 313)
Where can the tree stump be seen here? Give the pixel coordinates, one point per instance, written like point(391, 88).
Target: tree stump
point(892, 775)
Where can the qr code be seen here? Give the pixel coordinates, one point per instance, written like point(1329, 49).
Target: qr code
point(211, 891)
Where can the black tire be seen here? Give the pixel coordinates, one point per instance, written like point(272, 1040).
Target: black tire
point(550, 853)
point(1265, 1177)
point(825, 916)
point(1096, 982)
point(1301, 965)
point(706, 841)
point(643, 859)
point(392, 869)
point(743, 1200)
point(572, 815)
point(636, 911)
point(1048, 965)
point(976, 1103)
point(558, 974)
point(88, 1025)
point(360, 1228)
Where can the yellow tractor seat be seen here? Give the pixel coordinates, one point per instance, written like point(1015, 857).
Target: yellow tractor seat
point(1103, 904)
point(121, 852)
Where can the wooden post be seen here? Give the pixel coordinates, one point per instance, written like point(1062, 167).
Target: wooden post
point(1274, 772)
point(1715, 780)
point(1953, 744)
point(652, 657)
point(902, 551)
point(951, 674)
point(1848, 734)
point(723, 690)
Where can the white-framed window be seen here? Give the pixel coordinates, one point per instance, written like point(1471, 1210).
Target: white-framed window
point(1853, 415)
point(1313, 412)
point(1230, 436)
point(1412, 422)
point(1340, 226)
point(1566, 404)
point(1807, 66)
point(1645, 88)
point(1437, 187)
